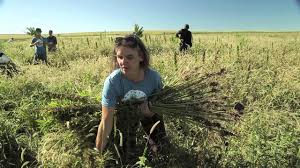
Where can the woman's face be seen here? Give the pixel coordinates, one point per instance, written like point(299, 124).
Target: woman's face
point(38, 33)
point(128, 59)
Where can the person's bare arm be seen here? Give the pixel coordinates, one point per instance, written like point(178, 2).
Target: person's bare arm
point(104, 128)
point(33, 44)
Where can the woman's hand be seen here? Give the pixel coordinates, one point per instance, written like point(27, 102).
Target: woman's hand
point(144, 107)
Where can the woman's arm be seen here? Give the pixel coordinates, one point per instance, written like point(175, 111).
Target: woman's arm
point(33, 44)
point(105, 127)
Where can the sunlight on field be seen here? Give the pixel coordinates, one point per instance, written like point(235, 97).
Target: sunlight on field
point(48, 114)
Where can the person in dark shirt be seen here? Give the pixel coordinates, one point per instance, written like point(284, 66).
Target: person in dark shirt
point(52, 42)
point(185, 37)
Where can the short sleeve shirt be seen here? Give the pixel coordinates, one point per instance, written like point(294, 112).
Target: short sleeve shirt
point(40, 48)
point(118, 87)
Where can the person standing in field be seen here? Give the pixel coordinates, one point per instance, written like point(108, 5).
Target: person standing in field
point(130, 84)
point(39, 44)
point(185, 37)
point(52, 42)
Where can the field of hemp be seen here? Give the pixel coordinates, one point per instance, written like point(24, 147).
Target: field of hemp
point(49, 114)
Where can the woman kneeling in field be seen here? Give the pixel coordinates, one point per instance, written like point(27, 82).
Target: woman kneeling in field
point(131, 82)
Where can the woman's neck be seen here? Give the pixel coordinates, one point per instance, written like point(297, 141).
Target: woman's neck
point(136, 76)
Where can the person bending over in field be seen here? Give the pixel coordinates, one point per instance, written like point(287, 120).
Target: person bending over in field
point(39, 44)
point(185, 37)
point(131, 83)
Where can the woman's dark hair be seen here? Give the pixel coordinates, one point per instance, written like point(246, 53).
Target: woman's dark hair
point(131, 41)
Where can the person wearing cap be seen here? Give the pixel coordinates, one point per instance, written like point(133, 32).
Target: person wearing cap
point(39, 42)
point(52, 42)
point(185, 37)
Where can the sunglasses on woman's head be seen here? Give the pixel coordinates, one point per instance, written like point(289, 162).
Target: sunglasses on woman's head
point(129, 41)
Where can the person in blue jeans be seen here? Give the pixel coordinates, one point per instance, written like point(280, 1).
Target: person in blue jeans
point(39, 43)
point(132, 81)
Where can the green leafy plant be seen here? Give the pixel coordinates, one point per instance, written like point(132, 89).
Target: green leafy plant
point(138, 30)
point(30, 31)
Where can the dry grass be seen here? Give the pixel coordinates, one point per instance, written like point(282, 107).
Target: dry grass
point(262, 73)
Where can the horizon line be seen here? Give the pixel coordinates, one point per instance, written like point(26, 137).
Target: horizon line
point(194, 31)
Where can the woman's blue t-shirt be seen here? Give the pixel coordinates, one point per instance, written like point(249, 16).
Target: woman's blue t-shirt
point(117, 87)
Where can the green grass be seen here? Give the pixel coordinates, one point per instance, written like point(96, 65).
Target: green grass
point(262, 72)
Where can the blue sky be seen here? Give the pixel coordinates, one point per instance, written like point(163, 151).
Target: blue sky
point(120, 15)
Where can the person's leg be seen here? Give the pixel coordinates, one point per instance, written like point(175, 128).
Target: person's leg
point(127, 123)
point(46, 59)
point(51, 48)
point(133, 116)
point(183, 47)
point(159, 133)
point(36, 58)
point(122, 128)
point(43, 58)
point(130, 143)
